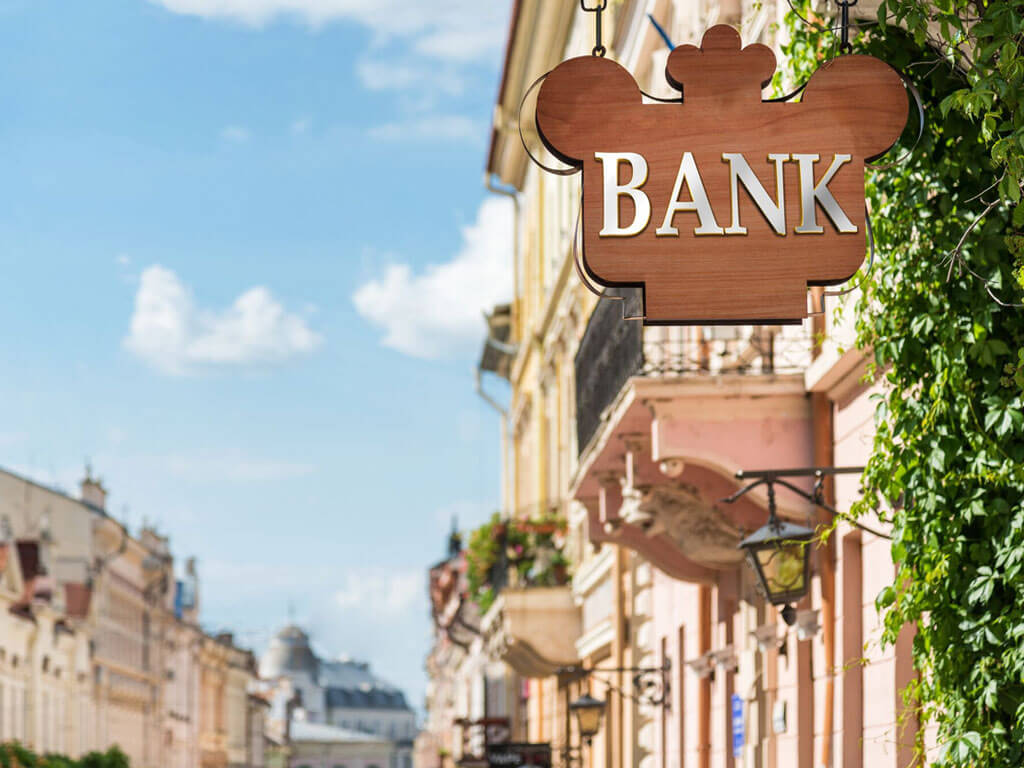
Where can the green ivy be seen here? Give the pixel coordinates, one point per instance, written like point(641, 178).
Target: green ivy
point(947, 467)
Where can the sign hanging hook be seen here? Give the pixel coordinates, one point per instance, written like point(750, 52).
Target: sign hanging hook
point(844, 24)
point(599, 49)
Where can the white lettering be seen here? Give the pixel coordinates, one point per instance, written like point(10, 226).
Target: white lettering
point(812, 194)
point(689, 175)
point(613, 191)
point(739, 171)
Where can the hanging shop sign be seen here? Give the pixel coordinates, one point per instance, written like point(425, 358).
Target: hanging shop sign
point(518, 755)
point(724, 208)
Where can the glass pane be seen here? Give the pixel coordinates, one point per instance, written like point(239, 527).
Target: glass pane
point(589, 719)
point(783, 567)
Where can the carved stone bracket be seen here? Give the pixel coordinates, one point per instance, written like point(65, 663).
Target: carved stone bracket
point(700, 531)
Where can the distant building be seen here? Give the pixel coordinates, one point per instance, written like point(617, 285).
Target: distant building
point(317, 745)
point(100, 643)
point(339, 703)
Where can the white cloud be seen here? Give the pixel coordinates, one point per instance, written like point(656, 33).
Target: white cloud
point(429, 128)
point(172, 334)
point(387, 593)
point(458, 30)
point(438, 312)
point(387, 75)
point(236, 134)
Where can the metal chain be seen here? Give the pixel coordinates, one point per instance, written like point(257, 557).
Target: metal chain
point(844, 24)
point(599, 49)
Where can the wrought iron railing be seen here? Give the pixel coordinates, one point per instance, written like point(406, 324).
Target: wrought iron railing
point(613, 350)
point(610, 352)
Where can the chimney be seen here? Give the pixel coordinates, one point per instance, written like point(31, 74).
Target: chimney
point(93, 493)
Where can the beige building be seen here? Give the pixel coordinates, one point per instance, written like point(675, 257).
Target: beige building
point(229, 716)
point(470, 696)
point(101, 645)
point(45, 671)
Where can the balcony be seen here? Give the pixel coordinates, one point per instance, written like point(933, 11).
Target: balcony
point(517, 575)
point(533, 629)
point(665, 418)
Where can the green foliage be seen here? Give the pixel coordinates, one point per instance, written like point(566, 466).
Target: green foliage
point(948, 461)
point(14, 755)
point(983, 41)
point(481, 559)
point(528, 551)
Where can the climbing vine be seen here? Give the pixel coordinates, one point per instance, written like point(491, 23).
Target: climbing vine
point(937, 311)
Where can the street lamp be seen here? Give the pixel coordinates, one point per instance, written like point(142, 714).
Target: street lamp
point(779, 554)
point(589, 712)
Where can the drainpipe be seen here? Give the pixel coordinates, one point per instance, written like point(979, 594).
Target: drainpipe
point(511, 192)
point(503, 419)
point(495, 187)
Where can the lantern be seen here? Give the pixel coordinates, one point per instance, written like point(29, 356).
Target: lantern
point(780, 556)
point(589, 712)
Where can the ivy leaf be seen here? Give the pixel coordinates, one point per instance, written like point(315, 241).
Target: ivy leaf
point(885, 598)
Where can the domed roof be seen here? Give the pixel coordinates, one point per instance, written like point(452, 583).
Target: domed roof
point(289, 652)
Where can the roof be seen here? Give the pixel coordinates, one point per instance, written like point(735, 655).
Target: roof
point(513, 29)
point(289, 653)
point(54, 490)
point(302, 730)
point(347, 684)
point(370, 698)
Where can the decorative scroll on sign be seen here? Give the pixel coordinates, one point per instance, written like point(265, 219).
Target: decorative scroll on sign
point(724, 208)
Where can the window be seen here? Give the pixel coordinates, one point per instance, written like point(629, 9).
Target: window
point(145, 641)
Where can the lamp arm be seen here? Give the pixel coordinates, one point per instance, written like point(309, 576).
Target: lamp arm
point(743, 491)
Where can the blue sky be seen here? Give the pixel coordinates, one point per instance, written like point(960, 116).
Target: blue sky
point(245, 250)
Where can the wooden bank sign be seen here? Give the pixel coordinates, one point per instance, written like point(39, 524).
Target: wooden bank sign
point(724, 208)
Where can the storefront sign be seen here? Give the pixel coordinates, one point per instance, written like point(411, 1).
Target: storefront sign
point(739, 737)
point(518, 755)
point(724, 208)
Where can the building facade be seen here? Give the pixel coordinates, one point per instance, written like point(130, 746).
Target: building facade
point(101, 644)
point(633, 436)
point(471, 697)
point(319, 699)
